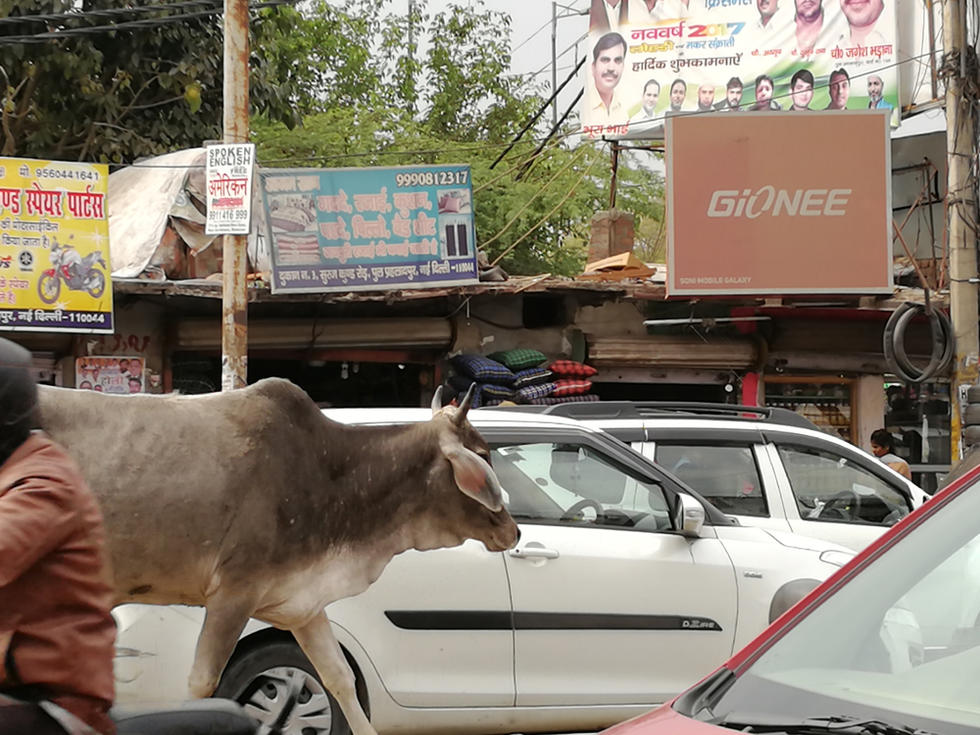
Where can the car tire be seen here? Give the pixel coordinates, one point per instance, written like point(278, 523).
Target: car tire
point(973, 394)
point(971, 435)
point(257, 679)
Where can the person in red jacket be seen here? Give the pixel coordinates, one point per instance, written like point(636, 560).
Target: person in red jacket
point(56, 633)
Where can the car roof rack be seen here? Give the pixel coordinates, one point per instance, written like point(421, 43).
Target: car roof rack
point(647, 409)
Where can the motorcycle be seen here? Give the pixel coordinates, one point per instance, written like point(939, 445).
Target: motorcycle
point(78, 274)
point(200, 717)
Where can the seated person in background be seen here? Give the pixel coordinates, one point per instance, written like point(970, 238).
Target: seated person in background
point(882, 446)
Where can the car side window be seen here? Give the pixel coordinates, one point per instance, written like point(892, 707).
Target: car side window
point(725, 475)
point(830, 487)
point(570, 483)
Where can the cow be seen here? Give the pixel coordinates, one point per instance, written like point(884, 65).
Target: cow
point(253, 504)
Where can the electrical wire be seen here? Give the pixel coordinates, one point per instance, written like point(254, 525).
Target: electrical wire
point(107, 13)
point(544, 219)
point(568, 48)
point(536, 194)
point(128, 25)
point(529, 38)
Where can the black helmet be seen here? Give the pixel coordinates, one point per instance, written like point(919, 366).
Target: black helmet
point(18, 397)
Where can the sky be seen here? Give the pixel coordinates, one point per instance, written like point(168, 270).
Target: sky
point(531, 37)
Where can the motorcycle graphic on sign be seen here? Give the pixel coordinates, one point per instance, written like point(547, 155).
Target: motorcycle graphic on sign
point(78, 273)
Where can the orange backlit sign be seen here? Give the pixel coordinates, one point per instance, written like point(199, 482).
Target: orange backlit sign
point(779, 203)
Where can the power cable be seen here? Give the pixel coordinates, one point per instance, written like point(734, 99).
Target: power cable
point(534, 196)
point(554, 129)
point(528, 39)
point(504, 174)
point(127, 25)
point(107, 13)
point(568, 48)
point(539, 113)
point(546, 217)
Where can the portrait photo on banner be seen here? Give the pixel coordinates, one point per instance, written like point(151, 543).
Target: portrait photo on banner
point(650, 59)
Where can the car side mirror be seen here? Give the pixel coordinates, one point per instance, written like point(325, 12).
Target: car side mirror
point(689, 516)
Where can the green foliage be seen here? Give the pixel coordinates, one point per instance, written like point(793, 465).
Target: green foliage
point(347, 83)
point(436, 88)
point(115, 96)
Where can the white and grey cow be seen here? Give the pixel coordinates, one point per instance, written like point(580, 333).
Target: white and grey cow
point(253, 504)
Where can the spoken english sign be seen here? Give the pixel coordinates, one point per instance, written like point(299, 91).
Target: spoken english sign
point(228, 172)
point(777, 203)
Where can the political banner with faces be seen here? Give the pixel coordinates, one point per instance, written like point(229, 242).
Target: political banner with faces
point(649, 59)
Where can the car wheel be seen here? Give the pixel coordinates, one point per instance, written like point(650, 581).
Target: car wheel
point(258, 680)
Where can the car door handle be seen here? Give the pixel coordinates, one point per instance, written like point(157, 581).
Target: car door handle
point(533, 550)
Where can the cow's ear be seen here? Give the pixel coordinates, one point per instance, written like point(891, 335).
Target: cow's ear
point(475, 477)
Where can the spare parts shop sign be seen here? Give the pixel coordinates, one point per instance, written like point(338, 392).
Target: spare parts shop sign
point(778, 203)
point(370, 228)
point(54, 246)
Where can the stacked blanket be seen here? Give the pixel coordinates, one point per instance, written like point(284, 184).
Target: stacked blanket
point(521, 375)
point(572, 383)
point(494, 381)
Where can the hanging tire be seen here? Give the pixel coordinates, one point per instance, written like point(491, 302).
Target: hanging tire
point(49, 287)
point(893, 343)
point(258, 680)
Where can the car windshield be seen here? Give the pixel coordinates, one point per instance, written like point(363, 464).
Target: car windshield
point(899, 644)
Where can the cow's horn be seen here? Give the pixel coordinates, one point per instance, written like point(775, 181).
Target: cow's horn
point(465, 405)
point(437, 400)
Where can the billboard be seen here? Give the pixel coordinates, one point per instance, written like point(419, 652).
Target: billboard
point(651, 59)
point(54, 247)
point(370, 228)
point(779, 203)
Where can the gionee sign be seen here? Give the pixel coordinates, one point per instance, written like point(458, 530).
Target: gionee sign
point(779, 203)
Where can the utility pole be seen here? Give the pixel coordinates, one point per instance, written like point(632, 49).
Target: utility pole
point(962, 208)
point(234, 288)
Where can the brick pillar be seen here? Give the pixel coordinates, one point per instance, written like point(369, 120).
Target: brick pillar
point(612, 234)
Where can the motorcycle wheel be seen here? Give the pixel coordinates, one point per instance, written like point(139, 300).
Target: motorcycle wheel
point(259, 681)
point(48, 288)
point(95, 285)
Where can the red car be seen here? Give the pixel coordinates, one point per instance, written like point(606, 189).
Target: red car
point(890, 645)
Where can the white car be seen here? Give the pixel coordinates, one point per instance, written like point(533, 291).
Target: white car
point(625, 588)
point(768, 467)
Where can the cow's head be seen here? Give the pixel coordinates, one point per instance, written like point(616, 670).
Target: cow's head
point(482, 514)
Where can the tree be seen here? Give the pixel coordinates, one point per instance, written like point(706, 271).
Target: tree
point(115, 95)
point(454, 102)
